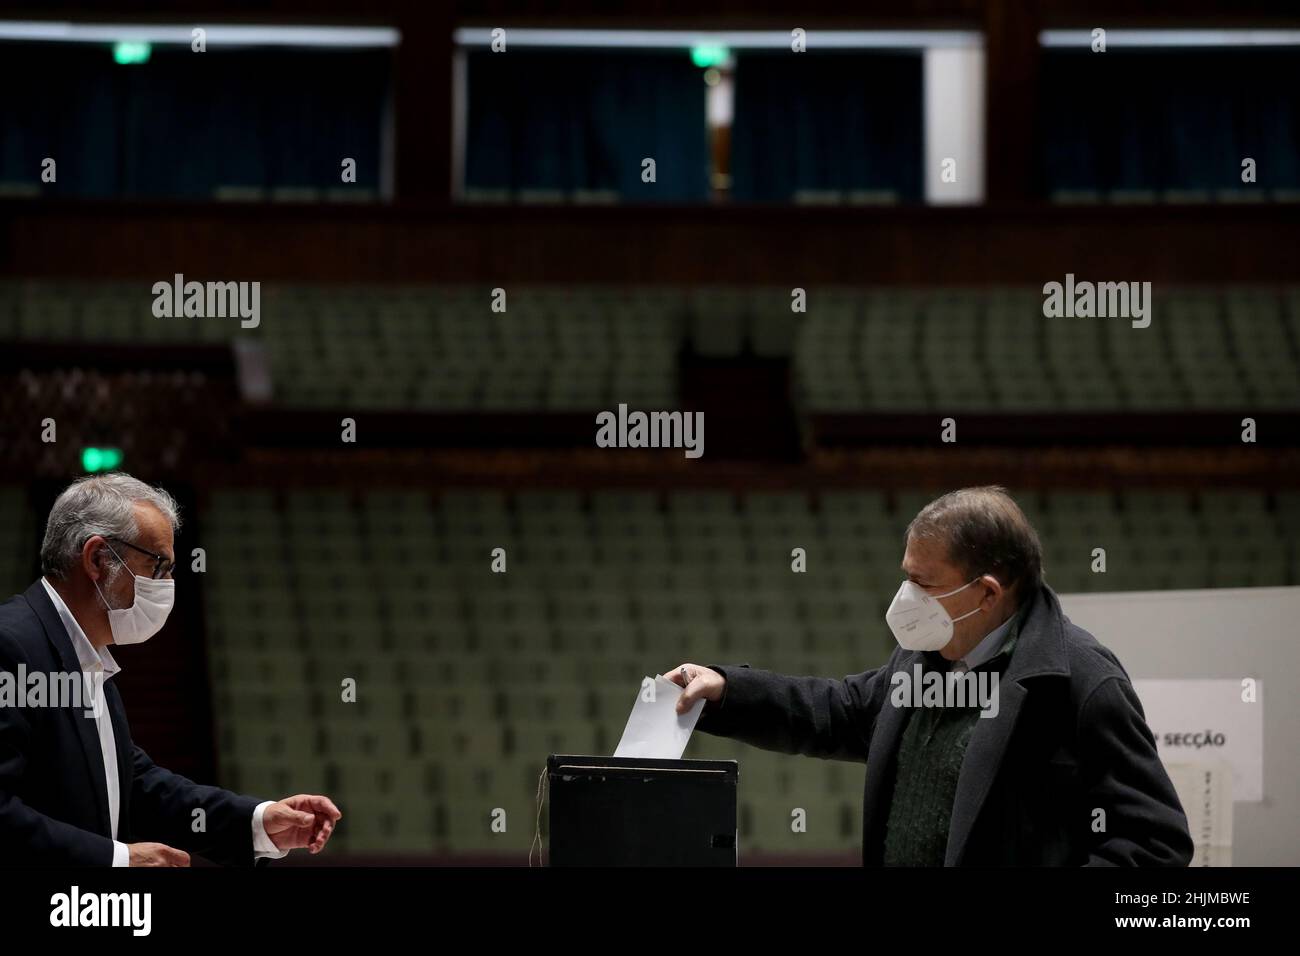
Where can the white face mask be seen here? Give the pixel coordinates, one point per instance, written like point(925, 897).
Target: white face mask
point(919, 621)
point(146, 616)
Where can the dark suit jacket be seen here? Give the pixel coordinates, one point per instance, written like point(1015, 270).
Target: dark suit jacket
point(1069, 738)
point(53, 800)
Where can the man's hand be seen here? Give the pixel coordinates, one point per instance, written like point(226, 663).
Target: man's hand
point(302, 820)
point(700, 682)
point(156, 854)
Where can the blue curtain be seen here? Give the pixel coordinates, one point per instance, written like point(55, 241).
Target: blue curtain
point(570, 120)
point(184, 123)
point(1169, 119)
point(827, 121)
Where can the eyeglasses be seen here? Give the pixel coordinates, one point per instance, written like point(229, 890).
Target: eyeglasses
point(161, 566)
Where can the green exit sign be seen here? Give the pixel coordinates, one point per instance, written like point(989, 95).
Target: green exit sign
point(707, 54)
point(126, 52)
point(100, 459)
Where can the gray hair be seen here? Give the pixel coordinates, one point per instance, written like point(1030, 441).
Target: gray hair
point(100, 504)
point(985, 532)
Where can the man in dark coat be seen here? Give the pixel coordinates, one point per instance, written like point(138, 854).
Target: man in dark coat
point(74, 787)
point(1046, 761)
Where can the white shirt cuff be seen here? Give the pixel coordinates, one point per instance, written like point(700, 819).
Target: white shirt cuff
point(121, 854)
point(263, 848)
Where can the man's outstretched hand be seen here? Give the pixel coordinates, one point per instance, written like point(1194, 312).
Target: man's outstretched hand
point(698, 682)
point(156, 854)
point(303, 820)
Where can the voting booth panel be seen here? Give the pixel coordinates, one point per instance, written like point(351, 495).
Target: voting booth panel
point(1207, 667)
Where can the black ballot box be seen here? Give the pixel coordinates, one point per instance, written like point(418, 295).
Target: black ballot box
point(630, 811)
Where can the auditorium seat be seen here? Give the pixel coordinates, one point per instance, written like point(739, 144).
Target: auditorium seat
point(17, 531)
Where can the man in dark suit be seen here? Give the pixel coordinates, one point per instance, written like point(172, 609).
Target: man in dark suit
point(74, 789)
point(1057, 768)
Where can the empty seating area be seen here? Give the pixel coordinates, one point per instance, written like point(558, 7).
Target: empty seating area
point(996, 352)
point(443, 348)
point(466, 679)
point(17, 533)
point(431, 348)
point(187, 410)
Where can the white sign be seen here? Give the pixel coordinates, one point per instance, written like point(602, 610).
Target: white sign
point(1206, 721)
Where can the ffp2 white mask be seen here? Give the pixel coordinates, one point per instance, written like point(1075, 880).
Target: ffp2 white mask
point(918, 621)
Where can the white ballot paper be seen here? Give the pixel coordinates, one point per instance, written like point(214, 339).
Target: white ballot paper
point(654, 728)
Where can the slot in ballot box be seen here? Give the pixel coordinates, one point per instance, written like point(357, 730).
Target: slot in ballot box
point(633, 811)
